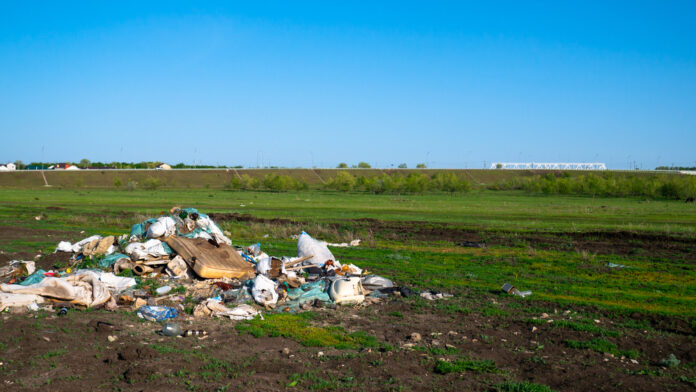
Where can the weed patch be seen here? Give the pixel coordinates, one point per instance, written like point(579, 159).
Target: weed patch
point(464, 364)
point(298, 328)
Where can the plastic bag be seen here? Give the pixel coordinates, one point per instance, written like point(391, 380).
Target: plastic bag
point(157, 313)
point(163, 227)
point(263, 265)
point(264, 291)
point(306, 246)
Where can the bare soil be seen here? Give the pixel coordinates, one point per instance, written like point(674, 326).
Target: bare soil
point(41, 350)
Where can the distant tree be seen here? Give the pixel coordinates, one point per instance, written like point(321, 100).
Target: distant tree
point(403, 166)
point(364, 165)
point(84, 162)
point(421, 166)
point(20, 165)
point(498, 165)
point(342, 165)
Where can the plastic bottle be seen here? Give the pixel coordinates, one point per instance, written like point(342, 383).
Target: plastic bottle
point(163, 290)
point(172, 329)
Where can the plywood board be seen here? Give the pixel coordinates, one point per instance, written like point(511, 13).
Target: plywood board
point(210, 260)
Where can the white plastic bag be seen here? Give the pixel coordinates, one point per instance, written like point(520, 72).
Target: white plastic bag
point(306, 246)
point(141, 251)
point(263, 265)
point(164, 227)
point(264, 291)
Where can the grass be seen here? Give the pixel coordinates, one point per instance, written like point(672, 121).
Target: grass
point(312, 381)
point(464, 364)
point(576, 326)
point(297, 327)
point(562, 276)
point(602, 346)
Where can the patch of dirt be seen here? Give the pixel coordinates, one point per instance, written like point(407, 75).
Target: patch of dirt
point(66, 349)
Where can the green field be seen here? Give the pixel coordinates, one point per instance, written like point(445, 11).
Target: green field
point(563, 273)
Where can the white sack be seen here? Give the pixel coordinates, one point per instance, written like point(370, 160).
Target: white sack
point(207, 224)
point(306, 245)
point(144, 250)
point(264, 291)
point(164, 227)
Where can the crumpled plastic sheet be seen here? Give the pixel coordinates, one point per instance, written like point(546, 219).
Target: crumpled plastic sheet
point(308, 292)
point(36, 277)
point(82, 288)
point(157, 313)
point(111, 259)
point(65, 246)
point(213, 307)
point(150, 248)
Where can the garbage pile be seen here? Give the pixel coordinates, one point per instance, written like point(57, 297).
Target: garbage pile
point(184, 258)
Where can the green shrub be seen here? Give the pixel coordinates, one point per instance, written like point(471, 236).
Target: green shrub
point(152, 183)
point(343, 181)
point(282, 183)
point(117, 182)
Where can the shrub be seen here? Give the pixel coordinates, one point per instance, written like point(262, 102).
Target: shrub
point(152, 183)
point(343, 181)
point(364, 165)
point(282, 183)
point(117, 182)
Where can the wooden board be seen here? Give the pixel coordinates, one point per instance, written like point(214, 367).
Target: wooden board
point(210, 261)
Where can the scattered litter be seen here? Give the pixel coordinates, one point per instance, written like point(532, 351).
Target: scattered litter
point(510, 289)
point(345, 244)
point(432, 295)
point(612, 265)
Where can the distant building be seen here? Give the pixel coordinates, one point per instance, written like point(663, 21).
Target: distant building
point(163, 166)
point(8, 167)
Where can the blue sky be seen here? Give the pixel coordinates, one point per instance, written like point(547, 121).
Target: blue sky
point(452, 84)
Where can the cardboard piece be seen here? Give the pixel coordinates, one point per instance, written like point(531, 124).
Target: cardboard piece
point(211, 260)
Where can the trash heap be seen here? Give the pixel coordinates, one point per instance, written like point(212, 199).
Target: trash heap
point(187, 260)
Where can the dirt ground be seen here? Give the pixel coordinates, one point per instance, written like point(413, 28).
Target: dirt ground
point(45, 349)
point(116, 351)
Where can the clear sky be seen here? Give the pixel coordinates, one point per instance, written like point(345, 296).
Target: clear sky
point(290, 83)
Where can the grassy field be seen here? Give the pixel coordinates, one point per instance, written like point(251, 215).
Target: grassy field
point(562, 273)
point(616, 275)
